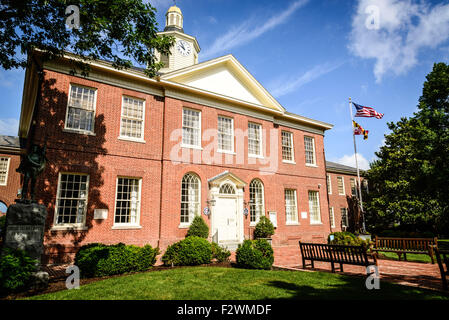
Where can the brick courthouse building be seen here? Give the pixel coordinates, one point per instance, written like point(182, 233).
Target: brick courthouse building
point(133, 159)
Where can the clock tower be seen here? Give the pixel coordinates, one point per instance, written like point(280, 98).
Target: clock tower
point(184, 52)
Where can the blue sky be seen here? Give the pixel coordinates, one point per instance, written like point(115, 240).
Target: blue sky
point(312, 56)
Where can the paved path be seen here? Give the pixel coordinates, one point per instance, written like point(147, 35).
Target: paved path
point(424, 275)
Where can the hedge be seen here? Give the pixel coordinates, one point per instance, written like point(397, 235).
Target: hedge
point(255, 254)
point(188, 252)
point(16, 270)
point(96, 259)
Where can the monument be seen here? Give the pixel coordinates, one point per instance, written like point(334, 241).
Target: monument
point(25, 220)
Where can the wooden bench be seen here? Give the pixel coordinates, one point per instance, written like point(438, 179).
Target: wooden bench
point(402, 246)
point(443, 258)
point(340, 254)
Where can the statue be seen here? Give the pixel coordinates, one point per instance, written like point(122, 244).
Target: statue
point(31, 166)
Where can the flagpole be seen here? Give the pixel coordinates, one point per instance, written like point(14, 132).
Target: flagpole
point(357, 165)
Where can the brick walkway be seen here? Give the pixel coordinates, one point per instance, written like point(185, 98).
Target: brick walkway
point(423, 275)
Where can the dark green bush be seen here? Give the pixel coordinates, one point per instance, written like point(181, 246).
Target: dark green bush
point(188, 252)
point(16, 270)
point(405, 234)
point(347, 238)
point(2, 227)
point(96, 259)
point(198, 228)
point(255, 254)
point(221, 254)
point(264, 228)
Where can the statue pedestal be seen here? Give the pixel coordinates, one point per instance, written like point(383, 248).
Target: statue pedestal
point(25, 223)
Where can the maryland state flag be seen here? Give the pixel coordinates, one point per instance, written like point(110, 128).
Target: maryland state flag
point(358, 130)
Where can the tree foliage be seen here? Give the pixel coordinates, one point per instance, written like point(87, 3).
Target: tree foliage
point(120, 31)
point(409, 183)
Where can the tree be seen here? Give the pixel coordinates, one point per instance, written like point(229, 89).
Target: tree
point(409, 183)
point(120, 31)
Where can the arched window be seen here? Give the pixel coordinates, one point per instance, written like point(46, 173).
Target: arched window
point(256, 197)
point(227, 189)
point(190, 197)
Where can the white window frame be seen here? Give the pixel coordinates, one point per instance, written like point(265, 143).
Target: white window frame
point(142, 133)
point(198, 213)
point(295, 216)
point(260, 154)
point(128, 225)
point(355, 187)
point(192, 146)
point(313, 149)
point(255, 205)
point(8, 161)
point(318, 221)
point(232, 135)
point(346, 220)
point(91, 132)
point(292, 161)
point(343, 186)
point(82, 224)
point(329, 184)
point(332, 217)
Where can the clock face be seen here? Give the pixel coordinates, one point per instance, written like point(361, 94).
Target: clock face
point(183, 48)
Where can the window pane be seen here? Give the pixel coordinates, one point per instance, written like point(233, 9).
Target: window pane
point(341, 187)
point(225, 133)
point(314, 207)
point(287, 146)
point(291, 211)
point(81, 108)
point(254, 139)
point(344, 217)
point(127, 206)
point(329, 185)
point(71, 199)
point(190, 197)
point(132, 118)
point(191, 127)
point(3, 170)
point(256, 197)
point(309, 150)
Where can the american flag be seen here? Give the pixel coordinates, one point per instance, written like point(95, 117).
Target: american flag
point(367, 112)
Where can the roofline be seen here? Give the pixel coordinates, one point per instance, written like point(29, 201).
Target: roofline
point(159, 82)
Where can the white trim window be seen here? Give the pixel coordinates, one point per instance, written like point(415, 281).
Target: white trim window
point(309, 146)
point(127, 203)
point(81, 109)
point(225, 134)
point(4, 168)
point(287, 146)
point(329, 184)
point(344, 217)
point(71, 199)
point(190, 198)
point(314, 207)
point(341, 186)
point(353, 187)
point(191, 128)
point(332, 217)
point(132, 119)
point(256, 200)
point(254, 139)
point(291, 206)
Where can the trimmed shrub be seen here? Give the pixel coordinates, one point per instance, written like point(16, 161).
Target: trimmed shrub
point(198, 228)
point(255, 254)
point(220, 254)
point(16, 270)
point(348, 239)
point(96, 259)
point(188, 252)
point(264, 228)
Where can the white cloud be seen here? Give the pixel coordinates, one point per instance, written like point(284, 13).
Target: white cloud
point(244, 33)
point(406, 27)
point(9, 127)
point(283, 86)
point(349, 160)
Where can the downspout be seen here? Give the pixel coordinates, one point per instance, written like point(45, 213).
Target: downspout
point(162, 168)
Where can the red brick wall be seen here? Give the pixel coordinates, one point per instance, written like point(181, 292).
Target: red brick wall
point(104, 157)
point(338, 201)
point(8, 193)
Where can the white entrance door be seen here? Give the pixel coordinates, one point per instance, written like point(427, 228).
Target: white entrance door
point(226, 219)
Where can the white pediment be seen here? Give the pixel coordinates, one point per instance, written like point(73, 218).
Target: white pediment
point(227, 77)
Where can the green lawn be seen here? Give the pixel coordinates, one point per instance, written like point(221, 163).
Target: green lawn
point(219, 283)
